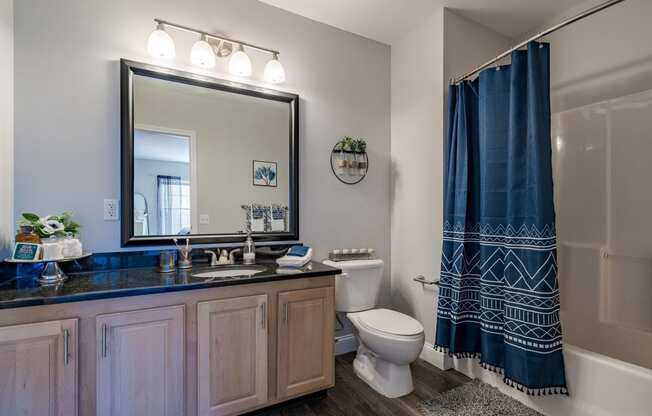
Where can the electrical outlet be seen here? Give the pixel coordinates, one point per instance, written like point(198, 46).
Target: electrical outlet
point(111, 209)
point(204, 219)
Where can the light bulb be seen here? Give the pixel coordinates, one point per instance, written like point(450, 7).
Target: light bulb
point(240, 64)
point(202, 54)
point(160, 44)
point(274, 71)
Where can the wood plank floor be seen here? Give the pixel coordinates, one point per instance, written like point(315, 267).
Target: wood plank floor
point(352, 397)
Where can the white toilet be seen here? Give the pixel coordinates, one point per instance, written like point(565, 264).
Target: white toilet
point(389, 340)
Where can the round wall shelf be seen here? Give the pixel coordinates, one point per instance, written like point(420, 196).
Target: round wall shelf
point(349, 167)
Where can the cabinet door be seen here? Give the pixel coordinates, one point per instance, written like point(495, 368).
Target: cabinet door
point(38, 369)
point(140, 363)
point(232, 355)
point(305, 341)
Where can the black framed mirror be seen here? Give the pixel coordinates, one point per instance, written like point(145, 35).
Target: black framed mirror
point(206, 159)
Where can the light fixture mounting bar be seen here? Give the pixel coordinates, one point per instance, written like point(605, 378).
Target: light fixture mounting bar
point(213, 36)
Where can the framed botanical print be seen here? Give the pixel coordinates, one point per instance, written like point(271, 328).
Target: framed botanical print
point(264, 173)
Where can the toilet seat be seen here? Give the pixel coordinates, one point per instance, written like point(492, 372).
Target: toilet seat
point(390, 323)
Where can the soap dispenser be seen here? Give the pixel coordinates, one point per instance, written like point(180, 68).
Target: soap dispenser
point(249, 250)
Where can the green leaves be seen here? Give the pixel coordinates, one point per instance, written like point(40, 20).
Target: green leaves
point(31, 217)
point(41, 225)
point(350, 144)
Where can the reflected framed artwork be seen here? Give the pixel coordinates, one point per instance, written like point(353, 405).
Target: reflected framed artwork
point(264, 173)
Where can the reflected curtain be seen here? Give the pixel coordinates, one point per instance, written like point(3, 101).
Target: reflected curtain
point(499, 296)
point(171, 212)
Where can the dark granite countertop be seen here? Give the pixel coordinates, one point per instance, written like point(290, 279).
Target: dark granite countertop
point(103, 284)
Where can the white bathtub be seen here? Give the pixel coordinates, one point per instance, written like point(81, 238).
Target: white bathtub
point(599, 385)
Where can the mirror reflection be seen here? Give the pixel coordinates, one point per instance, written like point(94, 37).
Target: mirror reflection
point(208, 161)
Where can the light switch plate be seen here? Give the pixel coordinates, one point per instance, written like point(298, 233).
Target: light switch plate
point(111, 207)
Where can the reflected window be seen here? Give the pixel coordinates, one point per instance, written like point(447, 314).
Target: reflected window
point(163, 181)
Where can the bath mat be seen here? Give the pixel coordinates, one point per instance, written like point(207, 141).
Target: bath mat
point(474, 399)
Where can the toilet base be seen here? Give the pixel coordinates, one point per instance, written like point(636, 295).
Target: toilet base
point(390, 380)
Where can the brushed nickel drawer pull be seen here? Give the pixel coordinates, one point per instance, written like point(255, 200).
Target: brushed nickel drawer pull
point(66, 347)
point(263, 313)
point(105, 349)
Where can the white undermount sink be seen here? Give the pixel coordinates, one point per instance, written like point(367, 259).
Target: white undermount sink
point(216, 274)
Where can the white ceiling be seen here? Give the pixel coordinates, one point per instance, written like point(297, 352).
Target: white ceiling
point(387, 20)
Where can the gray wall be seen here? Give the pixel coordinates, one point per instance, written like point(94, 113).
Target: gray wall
point(6, 126)
point(448, 45)
point(67, 107)
point(605, 56)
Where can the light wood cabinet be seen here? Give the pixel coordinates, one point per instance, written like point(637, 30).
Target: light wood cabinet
point(210, 351)
point(232, 355)
point(38, 369)
point(305, 341)
point(140, 363)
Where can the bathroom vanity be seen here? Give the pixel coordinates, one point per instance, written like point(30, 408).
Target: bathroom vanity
point(135, 341)
point(205, 161)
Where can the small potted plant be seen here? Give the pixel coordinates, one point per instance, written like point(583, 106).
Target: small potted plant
point(350, 148)
point(361, 151)
point(340, 157)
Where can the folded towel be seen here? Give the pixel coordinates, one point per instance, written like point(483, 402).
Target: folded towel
point(298, 251)
point(295, 261)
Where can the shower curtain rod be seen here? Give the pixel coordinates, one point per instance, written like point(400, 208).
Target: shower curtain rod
point(539, 35)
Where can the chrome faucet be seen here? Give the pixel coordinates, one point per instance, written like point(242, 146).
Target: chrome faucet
point(225, 257)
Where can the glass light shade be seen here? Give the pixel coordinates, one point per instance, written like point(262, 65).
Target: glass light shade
point(274, 71)
point(240, 64)
point(202, 54)
point(160, 44)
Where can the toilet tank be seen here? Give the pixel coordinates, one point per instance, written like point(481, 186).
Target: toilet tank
point(358, 287)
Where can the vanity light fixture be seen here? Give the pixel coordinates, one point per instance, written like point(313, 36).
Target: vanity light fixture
point(274, 72)
point(202, 53)
point(211, 46)
point(160, 43)
point(240, 64)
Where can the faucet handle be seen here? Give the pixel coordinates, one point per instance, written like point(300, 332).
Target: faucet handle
point(232, 255)
point(213, 257)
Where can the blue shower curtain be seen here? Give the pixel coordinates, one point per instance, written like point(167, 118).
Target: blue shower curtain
point(498, 297)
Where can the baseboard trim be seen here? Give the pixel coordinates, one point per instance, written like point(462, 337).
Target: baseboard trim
point(345, 344)
point(437, 358)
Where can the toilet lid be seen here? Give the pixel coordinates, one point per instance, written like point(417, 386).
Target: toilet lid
point(390, 322)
